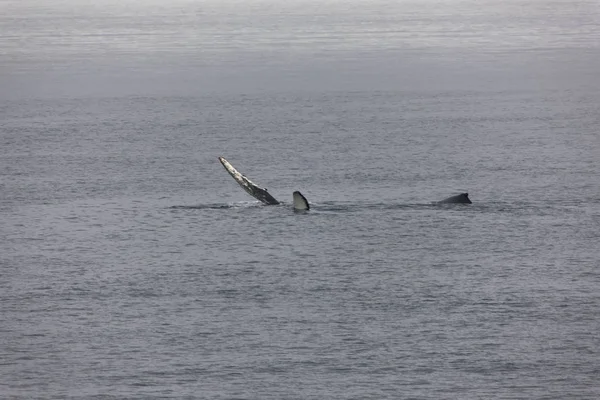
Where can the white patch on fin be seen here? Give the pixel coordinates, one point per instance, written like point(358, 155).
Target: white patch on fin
point(300, 202)
point(250, 187)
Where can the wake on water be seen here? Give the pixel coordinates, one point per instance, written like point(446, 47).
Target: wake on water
point(328, 206)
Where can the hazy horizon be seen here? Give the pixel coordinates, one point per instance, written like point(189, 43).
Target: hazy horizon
point(183, 47)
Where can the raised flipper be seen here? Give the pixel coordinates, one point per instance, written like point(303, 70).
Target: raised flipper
point(459, 198)
point(250, 187)
point(300, 202)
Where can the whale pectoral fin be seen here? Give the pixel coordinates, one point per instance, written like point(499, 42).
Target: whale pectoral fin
point(300, 202)
point(250, 187)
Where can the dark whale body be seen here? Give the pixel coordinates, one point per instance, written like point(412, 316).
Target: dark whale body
point(462, 198)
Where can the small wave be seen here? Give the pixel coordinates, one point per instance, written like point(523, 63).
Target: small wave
point(328, 206)
point(216, 206)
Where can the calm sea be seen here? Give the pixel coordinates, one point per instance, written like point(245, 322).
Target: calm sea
point(133, 267)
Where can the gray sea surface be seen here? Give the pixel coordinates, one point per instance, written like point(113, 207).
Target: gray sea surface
point(132, 266)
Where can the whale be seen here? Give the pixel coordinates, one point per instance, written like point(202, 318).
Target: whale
point(300, 202)
point(462, 198)
point(250, 187)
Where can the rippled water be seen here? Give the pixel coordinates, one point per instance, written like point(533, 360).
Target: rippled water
point(133, 266)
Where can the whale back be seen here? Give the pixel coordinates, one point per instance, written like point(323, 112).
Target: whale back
point(462, 198)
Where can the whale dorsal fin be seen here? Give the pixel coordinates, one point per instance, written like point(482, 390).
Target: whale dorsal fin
point(459, 198)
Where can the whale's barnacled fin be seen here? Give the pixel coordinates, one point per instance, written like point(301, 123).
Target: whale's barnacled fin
point(250, 187)
point(300, 202)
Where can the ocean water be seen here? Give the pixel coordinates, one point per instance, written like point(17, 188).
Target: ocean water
point(133, 266)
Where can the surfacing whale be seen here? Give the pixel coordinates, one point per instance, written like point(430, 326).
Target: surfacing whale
point(462, 198)
point(250, 187)
point(300, 202)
